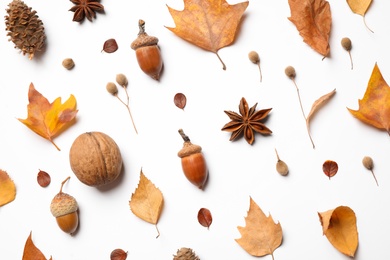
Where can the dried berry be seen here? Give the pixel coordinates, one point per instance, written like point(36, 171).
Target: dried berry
point(255, 58)
point(369, 164)
point(121, 79)
point(281, 166)
point(290, 72)
point(68, 63)
point(347, 45)
point(43, 178)
point(111, 88)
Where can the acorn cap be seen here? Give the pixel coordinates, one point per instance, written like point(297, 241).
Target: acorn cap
point(143, 40)
point(188, 149)
point(63, 204)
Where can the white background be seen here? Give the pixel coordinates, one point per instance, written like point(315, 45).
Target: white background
point(237, 169)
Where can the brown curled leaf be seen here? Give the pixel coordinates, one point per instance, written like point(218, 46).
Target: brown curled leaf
point(118, 254)
point(110, 46)
point(204, 217)
point(180, 100)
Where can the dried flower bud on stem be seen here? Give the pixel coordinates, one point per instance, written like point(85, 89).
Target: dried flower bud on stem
point(369, 164)
point(347, 45)
point(113, 90)
point(290, 72)
point(255, 58)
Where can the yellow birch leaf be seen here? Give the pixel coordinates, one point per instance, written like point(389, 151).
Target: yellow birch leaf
point(360, 7)
point(48, 119)
point(31, 252)
point(260, 236)
point(339, 227)
point(7, 189)
point(147, 201)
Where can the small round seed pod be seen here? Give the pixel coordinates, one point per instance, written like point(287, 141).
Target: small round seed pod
point(147, 52)
point(68, 63)
point(111, 88)
point(346, 43)
point(254, 57)
point(193, 162)
point(290, 72)
point(121, 79)
point(64, 208)
point(281, 166)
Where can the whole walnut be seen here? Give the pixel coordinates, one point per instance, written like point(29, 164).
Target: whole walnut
point(95, 159)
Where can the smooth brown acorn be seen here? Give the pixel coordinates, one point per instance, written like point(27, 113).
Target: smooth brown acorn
point(147, 52)
point(193, 162)
point(64, 208)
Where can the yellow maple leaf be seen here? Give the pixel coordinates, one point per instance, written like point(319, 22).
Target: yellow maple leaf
point(7, 189)
point(49, 119)
point(374, 108)
point(208, 24)
point(339, 227)
point(260, 236)
point(147, 201)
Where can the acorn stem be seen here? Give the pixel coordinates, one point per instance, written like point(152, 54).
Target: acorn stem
point(63, 182)
point(184, 136)
point(141, 26)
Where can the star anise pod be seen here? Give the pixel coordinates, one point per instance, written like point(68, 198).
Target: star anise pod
point(247, 123)
point(85, 8)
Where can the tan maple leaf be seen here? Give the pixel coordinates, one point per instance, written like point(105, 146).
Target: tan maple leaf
point(147, 201)
point(313, 20)
point(208, 24)
point(31, 252)
point(260, 236)
point(48, 119)
point(339, 226)
point(374, 108)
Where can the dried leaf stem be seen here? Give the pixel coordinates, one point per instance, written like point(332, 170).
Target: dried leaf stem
point(158, 232)
point(223, 64)
point(365, 24)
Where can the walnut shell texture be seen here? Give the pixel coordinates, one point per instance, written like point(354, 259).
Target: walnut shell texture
point(95, 159)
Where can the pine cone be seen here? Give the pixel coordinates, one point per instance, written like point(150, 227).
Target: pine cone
point(185, 254)
point(24, 27)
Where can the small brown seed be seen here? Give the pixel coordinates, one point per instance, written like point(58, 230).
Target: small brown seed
point(111, 88)
point(68, 63)
point(281, 166)
point(121, 80)
point(346, 43)
point(290, 72)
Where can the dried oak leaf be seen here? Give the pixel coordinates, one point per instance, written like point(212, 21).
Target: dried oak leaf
point(260, 236)
point(49, 119)
point(208, 24)
point(7, 189)
point(31, 252)
point(313, 20)
point(360, 7)
point(247, 123)
point(147, 201)
point(374, 108)
point(339, 227)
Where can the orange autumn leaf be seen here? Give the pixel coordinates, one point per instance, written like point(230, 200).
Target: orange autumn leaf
point(147, 201)
point(260, 236)
point(208, 24)
point(7, 189)
point(313, 20)
point(374, 108)
point(31, 252)
point(339, 227)
point(48, 119)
